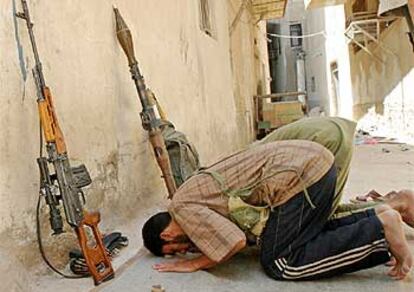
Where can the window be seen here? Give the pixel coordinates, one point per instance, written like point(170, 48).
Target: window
point(274, 48)
point(205, 17)
point(295, 30)
point(273, 43)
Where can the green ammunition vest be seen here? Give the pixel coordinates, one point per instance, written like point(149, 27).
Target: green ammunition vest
point(336, 134)
point(251, 219)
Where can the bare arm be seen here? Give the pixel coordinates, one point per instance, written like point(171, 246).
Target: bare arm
point(200, 263)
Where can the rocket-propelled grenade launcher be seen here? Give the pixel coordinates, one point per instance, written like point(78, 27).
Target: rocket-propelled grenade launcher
point(66, 183)
point(149, 115)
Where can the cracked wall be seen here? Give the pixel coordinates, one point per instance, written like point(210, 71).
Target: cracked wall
point(97, 105)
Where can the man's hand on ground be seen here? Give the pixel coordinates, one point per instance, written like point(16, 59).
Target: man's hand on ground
point(200, 263)
point(183, 266)
point(186, 266)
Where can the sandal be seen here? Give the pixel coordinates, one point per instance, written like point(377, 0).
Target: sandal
point(371, 196)
point(374, 196)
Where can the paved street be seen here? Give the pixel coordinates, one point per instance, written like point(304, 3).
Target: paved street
point(382, 167)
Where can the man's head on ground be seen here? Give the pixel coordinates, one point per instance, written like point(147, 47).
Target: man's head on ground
point(162, 235)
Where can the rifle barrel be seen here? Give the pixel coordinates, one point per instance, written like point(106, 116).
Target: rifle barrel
point(26, 16)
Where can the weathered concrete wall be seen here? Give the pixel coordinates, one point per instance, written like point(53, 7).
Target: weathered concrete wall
point(340, 103)
point(286, 63)
point(316, 60)
point(324, 44)
point(311, 4)
point(322, 52)
point(189, 71)
point(249, 63)
point(383, 89)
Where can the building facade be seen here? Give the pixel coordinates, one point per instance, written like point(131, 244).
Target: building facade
point(203, 59)
point(358, 59)
point(310, 49)
point(382, 60)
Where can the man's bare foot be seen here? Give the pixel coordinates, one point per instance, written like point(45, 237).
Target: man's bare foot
point(403, 202)
point(392, 262)
point(392, 223)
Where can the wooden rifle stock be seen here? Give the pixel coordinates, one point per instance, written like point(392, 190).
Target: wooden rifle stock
point(70, 190)
point(49, 121)
point(96, 256)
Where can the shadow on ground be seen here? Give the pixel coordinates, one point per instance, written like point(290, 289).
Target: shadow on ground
point(372, 168)
point(243, 273)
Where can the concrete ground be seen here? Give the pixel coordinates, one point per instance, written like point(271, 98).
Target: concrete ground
point(382, 167)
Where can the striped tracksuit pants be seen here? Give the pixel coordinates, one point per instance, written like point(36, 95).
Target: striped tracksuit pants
point(300, 243)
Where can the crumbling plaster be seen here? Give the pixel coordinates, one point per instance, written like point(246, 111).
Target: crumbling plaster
point(190, 72)
point(382, 88)
point(249, 64)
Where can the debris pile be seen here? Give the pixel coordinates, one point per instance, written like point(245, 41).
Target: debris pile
point(387, 124)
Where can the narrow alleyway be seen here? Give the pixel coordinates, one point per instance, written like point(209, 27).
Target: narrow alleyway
point(224, 72)
point(382, 167)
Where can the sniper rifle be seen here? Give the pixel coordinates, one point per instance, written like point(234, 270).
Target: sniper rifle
point(66, 183)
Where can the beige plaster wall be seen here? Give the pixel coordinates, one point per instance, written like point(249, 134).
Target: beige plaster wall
point(192, 74)
point(339, 104)
point(317, 63)
point(249, 64)
point(382, 89)
point(310, 4)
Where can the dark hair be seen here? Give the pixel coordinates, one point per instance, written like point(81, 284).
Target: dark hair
point(151, 232)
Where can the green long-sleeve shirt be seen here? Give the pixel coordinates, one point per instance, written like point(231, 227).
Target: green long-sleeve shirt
point(334, 133)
